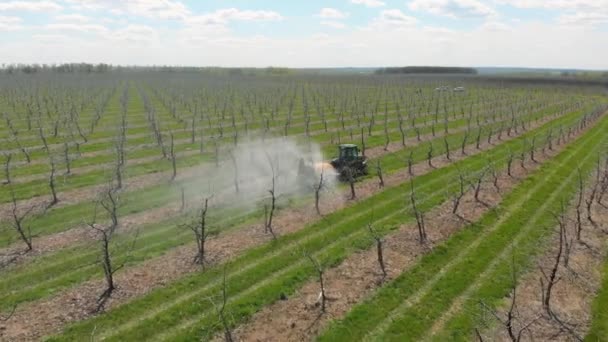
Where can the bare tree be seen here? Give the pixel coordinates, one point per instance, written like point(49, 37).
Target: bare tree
point(105, 234)
point(552, 278)
point(592, 196)
point(532, 148)
point(362, 142)
point(387, 138)
point(492, 169)
point(269, 215)
point(463, 145)
point(41, 134)
point(7, 168)
point(477, 186)
point(460, 194)
point(379, 173)
point(222, 310)
point(318, 187)
point(66, 158)
point(579, 203)
point(236, 171)
point(490, 132)
point(54, 199)
point(410, 162)
point(173, 158)
point(9, 315)
point(510, 163)
point(319, 269)
point(199, 227)
point(23, 150)
point(522, 156)
point(512, 318)
point(25, 234)
point(447, 148)
point(379, 251)
point(350, 177)
point(418, 214)
point(119, 149)
point(402, 131)
point(429, 155)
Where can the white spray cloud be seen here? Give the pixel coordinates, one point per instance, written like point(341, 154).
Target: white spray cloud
point(253, 164)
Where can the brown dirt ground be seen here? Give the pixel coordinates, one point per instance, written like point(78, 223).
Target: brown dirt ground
point(75, 171)
point(299, 318)
point(139, 182)
point(77, 303)
point(572, 295)
point(82, 234)
point(60, 240)
point(373, 152)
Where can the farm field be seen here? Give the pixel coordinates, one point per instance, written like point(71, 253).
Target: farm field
point(151, 205)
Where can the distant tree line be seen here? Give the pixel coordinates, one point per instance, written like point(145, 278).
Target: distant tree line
point(89, 68)
point(59, 68)
point(425, 70)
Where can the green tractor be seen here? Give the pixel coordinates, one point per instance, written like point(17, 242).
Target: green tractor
point(349, 162)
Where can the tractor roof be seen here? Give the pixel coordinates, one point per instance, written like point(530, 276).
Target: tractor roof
point(347, 145)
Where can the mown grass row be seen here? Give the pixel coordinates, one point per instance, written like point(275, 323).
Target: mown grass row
point(407, 307)
point(228, 128)
point(61, 269)
point(297, 110)
point(138, 124)
point(48, 275)
point(599, 311)
point(261, 274)
point(61, 219)
point(143, 147)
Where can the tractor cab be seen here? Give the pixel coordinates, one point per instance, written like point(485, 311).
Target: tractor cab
point(349, 162)
point(348, 152)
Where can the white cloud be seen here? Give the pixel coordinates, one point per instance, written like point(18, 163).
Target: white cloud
point(557, 4)
point(224, 16)
point(369, 3)
point(10, 23)
point(495, 26)
point(584, 18)
point(135, 34)
point(75, 27)
point(10, 20)
point(52, 38)
point(453, 8)
point(332, 13)
point(234, 42)
point(392, 18)
point(155, 9)
point(573, 12)
point(33, 6)
point(74, 18)
point(333, 24)
point(526, 44)
point(89, 35)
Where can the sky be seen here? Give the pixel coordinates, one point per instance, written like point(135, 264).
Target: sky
point(307, 33)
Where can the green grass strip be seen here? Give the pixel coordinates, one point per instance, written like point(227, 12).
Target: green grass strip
point(63, 218)
point(370, 317)
point(147, 316)
point(599, 310)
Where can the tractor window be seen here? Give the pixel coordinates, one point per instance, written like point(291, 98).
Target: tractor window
point(349, 153)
